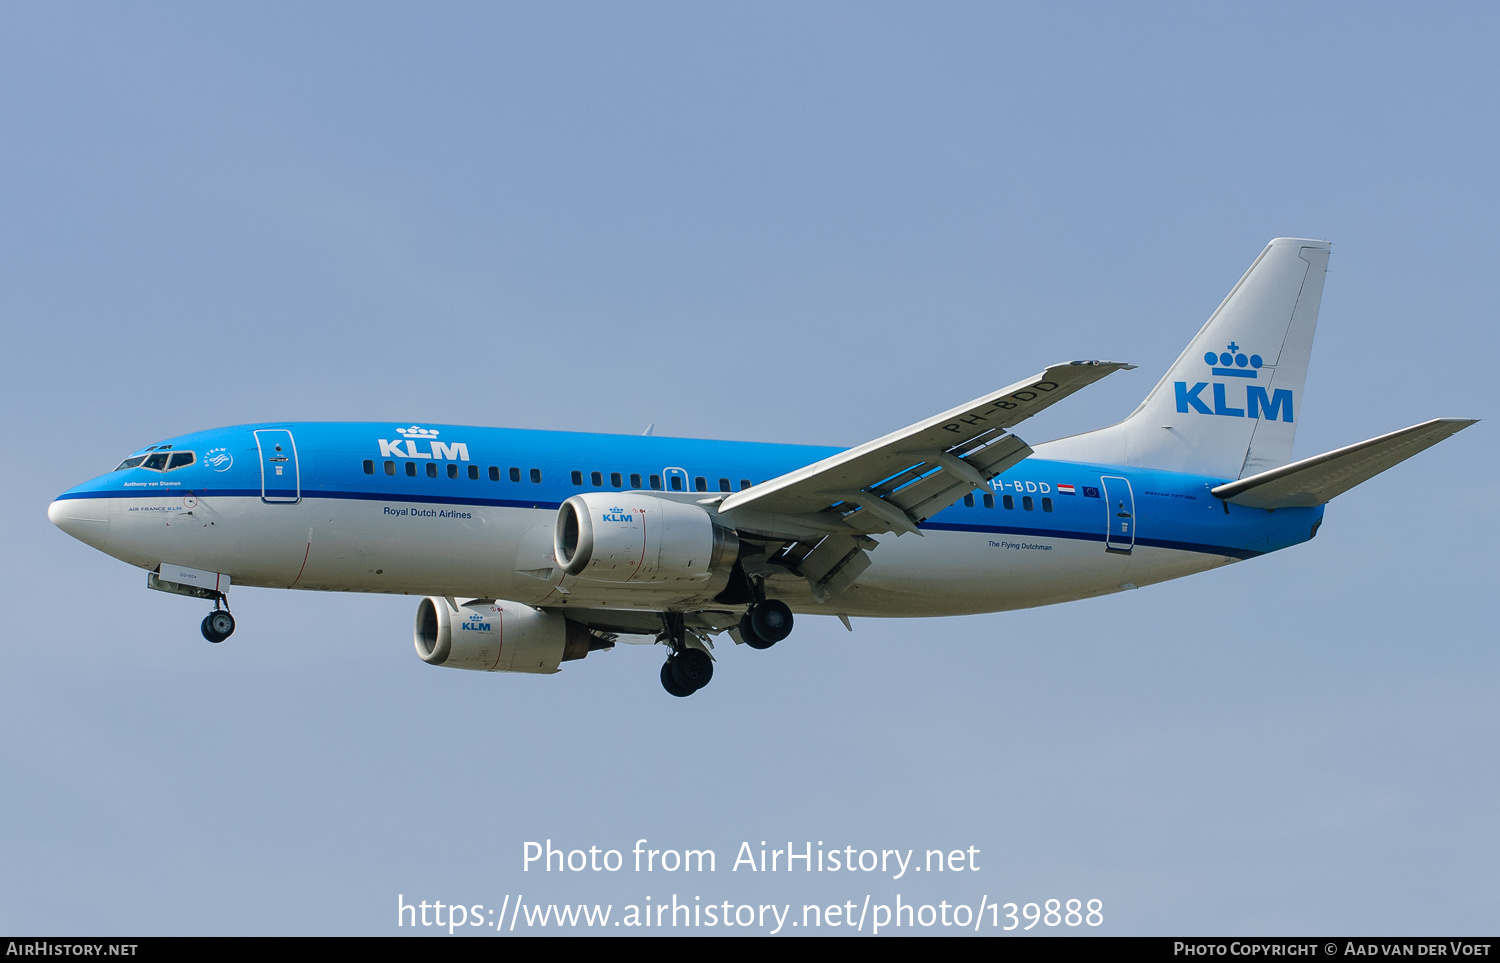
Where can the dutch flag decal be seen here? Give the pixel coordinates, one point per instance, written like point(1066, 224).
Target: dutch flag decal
point(1066, 490)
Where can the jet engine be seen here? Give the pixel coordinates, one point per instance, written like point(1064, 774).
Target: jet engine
point(493, 635)
point(641, 539)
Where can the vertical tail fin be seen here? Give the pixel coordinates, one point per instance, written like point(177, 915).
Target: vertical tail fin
point(1229, 404)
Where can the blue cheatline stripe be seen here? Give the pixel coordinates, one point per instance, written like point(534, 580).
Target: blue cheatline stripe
point(1241, 553)
point(1199, 548)
point(443, 500)
point(355, 496)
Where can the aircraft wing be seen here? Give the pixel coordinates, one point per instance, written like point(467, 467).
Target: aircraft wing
point(1313, 481)
point(894, 483)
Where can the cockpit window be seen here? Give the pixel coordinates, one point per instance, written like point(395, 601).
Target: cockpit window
point(162, 459)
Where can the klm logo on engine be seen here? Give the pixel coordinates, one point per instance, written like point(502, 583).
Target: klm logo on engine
point(617, 515)
point(1257, 403)
point(475, 623)
point(408, 447)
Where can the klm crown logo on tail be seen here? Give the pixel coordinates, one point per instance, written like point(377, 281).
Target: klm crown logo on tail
point(1227, 406)
point(1256, 403)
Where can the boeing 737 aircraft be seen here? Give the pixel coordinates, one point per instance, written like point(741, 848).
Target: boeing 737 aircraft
point(538, 547)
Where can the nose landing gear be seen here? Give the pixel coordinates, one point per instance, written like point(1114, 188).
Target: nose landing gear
point(218, 625)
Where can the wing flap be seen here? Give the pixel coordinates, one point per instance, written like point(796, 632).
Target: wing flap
point(1313, 481)
point(936, 490)
point(823, 514)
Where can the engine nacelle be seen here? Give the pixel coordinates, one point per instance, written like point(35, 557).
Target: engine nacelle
point(641, 539)
point(493, 635)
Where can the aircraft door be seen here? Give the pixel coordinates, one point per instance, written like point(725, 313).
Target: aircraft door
point(280, 478)
point(675, 479)
point(1119, 501)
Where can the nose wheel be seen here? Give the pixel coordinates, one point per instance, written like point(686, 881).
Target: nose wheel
point(218, 625)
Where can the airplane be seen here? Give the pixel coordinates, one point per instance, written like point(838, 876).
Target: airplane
point(534, 548)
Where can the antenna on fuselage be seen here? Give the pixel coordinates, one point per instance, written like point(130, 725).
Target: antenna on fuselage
point(649, 429)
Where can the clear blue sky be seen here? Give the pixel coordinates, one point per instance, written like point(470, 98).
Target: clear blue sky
point(810, 223)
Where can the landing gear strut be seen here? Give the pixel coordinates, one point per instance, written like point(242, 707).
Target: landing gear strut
point(218, 625)
point(687, 669)
point(766, 623)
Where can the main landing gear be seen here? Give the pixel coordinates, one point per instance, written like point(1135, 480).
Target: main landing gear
point(686, 672)
point(688, 668)
point(218, 625)
point(766, 623)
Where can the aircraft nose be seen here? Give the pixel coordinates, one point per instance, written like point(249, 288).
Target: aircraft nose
point(86, 519)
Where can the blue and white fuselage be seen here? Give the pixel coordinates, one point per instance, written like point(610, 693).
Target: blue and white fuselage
point(558, 542)
point(341, 517)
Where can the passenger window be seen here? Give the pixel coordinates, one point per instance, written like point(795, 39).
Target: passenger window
point(536, 476)
point(578, 478)
point(515, 474)
point(969, 500)
point(989, 501)
point(676, 483)
point(369, 467)
point(700, 484)
point(635, 481)
point(452, 470)
point(390, 468)
point(597, 479)
point(494, 473)
point(1010, 502)
point(1046, 504)
point(656, 482)
point(724, 485)
point(744, 483)
point(1027, 503)
point(473, 473)
point(411, 469)
point(180, 460)
point(614, 480)
point(431, 469)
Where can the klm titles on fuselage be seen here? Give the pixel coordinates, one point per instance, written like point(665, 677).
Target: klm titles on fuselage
point(1233, 363)
point(407, 447)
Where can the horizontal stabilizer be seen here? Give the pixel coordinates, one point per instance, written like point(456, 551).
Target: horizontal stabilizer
point(1313, 481)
